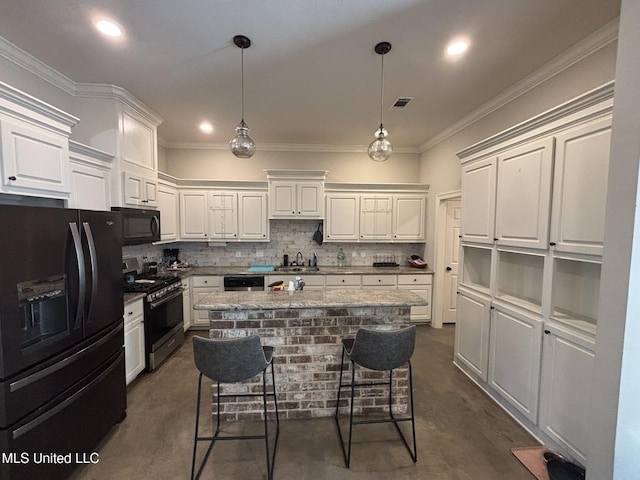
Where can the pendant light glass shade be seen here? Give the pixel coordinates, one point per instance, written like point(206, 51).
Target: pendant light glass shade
point(242, 145)
point(380, 149)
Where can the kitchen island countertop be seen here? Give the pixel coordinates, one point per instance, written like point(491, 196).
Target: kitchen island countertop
point(323, 270)
point(268, 300)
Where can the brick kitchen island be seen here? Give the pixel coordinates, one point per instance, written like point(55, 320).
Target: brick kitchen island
point(306, 328)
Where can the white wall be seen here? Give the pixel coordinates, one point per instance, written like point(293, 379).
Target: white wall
point(43, 87)
point(615, 432)
point(342, 167)
point(439, 165)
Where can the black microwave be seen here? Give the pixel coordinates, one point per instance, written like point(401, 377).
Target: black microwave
point(139, 225)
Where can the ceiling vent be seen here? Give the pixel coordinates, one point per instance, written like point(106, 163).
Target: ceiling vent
point(400, 103)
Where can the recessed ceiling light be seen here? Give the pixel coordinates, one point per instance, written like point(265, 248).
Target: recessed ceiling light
point(457, 47)
point(206, 127)
point(109, 28)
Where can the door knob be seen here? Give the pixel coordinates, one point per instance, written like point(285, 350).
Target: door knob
point(448, 269)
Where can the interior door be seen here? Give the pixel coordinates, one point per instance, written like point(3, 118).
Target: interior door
point(102, 246)
point(451, 260)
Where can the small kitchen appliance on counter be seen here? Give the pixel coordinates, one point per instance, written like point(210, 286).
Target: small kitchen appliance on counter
point(163, 314)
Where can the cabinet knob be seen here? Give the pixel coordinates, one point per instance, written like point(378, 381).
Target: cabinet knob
point(293, 213)
point(379, 280)
point(448, 269)
point(130, 313)
point(12, 178)
point(495, 239)
point(547, 332)
point(552, 244)
point(492, 307)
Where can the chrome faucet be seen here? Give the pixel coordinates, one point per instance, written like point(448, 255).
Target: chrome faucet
point(301, 261)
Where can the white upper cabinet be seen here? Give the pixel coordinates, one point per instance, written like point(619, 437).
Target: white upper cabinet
point(523, 195)
point(168, 206)
point(138, 142)
point(375, 213)
point(296, 199)
point(253, 224)
point(479, 201)
point(296, 193)
point(194, 222)
point(409, 218)
point(34, 139)
point(139, 190)
point(115, 122)
point(90, 178)
point(376, 217)
point(341, 224)
point(580, 188)
point(223, 216)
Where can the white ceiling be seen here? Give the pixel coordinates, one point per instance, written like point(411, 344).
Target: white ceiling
point(311, 75)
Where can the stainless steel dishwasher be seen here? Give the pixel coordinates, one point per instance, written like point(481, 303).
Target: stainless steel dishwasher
point(243, 283)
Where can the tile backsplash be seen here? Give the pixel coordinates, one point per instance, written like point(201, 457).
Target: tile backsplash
point(287, 237)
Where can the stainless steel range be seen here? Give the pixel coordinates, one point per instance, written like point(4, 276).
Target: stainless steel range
point(163, 315)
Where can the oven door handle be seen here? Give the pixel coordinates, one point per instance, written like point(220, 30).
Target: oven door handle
point(163, 300)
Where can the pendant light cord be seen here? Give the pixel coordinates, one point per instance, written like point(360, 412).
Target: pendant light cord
point(381, 92)
point(242, 83)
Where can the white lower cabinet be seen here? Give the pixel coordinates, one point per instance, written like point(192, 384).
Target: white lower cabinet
point(421, 286)
point(565, 389)
point(187, 309)
point(133, 339)
point(201, 286)
point(379, 282)
point(343, 282)
point(472, 332)
point(311, 282)
point(514, 358)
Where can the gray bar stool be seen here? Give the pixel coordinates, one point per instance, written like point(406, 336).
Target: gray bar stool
point(378, 350)
point(232, 360)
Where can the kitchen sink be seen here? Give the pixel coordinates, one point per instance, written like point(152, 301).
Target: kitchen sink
point(294, 269)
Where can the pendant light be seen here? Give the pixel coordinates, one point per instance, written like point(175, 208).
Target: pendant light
point(380, 149)
point(242, 145)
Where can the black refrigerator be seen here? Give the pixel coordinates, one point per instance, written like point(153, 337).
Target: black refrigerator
point(62, 380)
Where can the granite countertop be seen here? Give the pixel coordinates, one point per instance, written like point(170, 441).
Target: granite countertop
point(323, 270)
point(308, 299)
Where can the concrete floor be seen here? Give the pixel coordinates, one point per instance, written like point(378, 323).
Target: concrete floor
point(461, 434)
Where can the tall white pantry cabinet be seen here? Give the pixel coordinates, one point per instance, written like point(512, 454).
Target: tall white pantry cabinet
point(532, 229)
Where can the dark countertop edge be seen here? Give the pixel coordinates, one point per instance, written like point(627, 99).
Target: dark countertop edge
point(240, 301)
point(132, 297)
point(328, 270)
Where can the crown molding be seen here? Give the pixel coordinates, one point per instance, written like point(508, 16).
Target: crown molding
point(113, 92)
point(588, 46)
point(32, 104)
point(284, 147)
point(82, 149)
point(28, 62)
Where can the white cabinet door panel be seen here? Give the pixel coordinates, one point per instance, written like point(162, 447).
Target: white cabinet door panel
point(33, 158)
point(479, 201)
point(580, 188)
point(523, 197)
point(472, 332)
point(342, 217)
point(514, 359)
point(565, 390)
